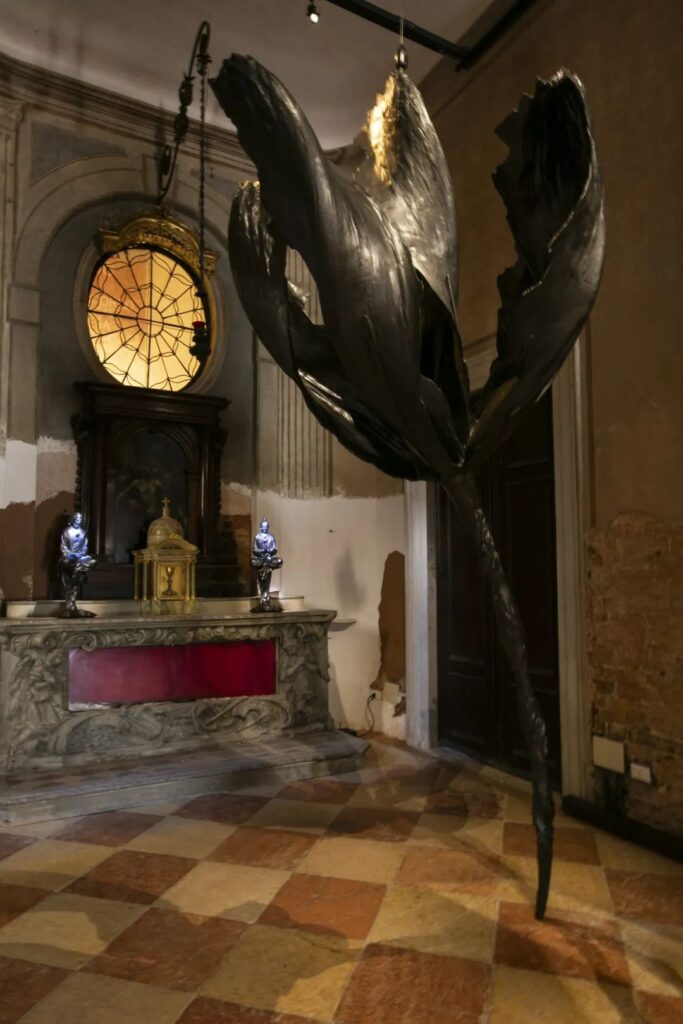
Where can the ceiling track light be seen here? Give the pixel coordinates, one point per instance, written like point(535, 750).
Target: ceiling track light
point(312, 12)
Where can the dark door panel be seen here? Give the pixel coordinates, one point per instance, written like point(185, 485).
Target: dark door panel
point(477, 701)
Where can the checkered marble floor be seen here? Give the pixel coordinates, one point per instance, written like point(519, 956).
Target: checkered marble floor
point(400, 894)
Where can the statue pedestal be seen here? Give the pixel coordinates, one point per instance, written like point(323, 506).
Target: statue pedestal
point(181, 702)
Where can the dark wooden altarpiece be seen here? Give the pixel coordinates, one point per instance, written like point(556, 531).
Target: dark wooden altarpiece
point(135, 447)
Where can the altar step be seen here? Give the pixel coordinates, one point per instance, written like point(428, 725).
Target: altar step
point(109, 787)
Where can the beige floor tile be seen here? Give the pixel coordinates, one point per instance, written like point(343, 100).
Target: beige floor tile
point(483, 835)
point(285, 970)
point(50, 863)
point(225, 890)
point(518, 808)
point(93, 999)
point(182, 837)
point(655, 957)
point(446, 923)
point(622, 856)
point(66, 930)
point(529, 997)
point(299, 815)
point(362, 859)
point(577, 887)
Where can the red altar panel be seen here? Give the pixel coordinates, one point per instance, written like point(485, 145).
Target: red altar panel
point(123, 675)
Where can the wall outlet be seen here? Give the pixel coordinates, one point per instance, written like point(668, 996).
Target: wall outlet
point(608, 754)
point(641, 772)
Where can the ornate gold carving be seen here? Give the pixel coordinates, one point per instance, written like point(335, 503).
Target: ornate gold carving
point(158, 229)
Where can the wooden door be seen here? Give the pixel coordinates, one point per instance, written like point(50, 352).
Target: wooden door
point(477, 704)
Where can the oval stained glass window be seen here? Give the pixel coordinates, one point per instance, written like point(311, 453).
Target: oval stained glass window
point(141, 308)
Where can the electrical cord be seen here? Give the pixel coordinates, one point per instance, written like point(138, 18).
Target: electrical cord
point(369, 715)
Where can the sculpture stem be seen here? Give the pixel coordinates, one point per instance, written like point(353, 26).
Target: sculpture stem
point(463, 494)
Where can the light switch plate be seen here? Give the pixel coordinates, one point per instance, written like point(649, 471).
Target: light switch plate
point(641, 772)
point(609, 754)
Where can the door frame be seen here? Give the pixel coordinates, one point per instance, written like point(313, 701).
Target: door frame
point(569, 400)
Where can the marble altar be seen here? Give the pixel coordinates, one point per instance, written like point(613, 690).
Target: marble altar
point(45, 737)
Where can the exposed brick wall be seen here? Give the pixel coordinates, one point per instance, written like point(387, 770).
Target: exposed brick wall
point(636, 656)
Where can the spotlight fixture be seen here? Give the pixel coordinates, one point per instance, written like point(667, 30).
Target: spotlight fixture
point(312, 12)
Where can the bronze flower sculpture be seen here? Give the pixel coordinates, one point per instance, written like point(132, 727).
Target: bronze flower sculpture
point(377, 229)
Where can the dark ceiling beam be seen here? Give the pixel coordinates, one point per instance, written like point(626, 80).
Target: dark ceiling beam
point(392, 22)
point(464, 56)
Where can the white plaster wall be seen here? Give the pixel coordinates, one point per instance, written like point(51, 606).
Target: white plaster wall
point(56, 467)
point(19, 473)
point(334, 550)
point(36, 472)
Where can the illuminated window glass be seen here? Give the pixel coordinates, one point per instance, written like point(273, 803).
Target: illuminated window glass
point(141, 308)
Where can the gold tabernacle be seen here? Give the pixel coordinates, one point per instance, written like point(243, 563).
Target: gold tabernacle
point(165, 569)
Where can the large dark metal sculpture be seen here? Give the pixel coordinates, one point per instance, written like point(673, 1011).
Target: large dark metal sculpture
point(377, 229)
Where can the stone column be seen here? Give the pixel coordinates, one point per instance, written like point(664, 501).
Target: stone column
point(10, 116)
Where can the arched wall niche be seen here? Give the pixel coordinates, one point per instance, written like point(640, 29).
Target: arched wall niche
point(54, 256)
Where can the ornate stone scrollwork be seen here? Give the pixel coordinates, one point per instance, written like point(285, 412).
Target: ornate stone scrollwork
point(44, 731)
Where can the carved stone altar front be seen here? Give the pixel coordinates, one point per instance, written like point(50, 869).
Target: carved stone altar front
point(39, 730)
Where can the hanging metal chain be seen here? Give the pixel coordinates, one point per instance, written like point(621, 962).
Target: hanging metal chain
point(203, 61)
point(169, 157)
point(401, 55)
point(201, 345)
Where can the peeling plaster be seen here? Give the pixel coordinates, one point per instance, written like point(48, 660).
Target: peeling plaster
point(19, 476)
point(392, 625)
point(236, 499)
point(16, 549)
point(56, 468)
point(37, 472)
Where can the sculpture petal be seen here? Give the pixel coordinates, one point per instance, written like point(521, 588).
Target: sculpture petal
point(370, 295)
point(551, 186)
point(299, 346)
point(398, 161)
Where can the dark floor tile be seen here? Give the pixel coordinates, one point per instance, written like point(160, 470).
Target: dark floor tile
point(213, 1011)
point(574, 945)
point(401, 986)
point(264, 848)
point(324, 791)
point(407, 781)
point(463, 870)
point(645, 897)
point(132, 877)
point(383, 823)
point(112, 828)
point(225, 808)
point(656, 1009)
point(465, 805)
point(571, 844)
point(170, 949)
point(10, 843)
point(332, 906)
point(15, 899)
point(22, 985)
